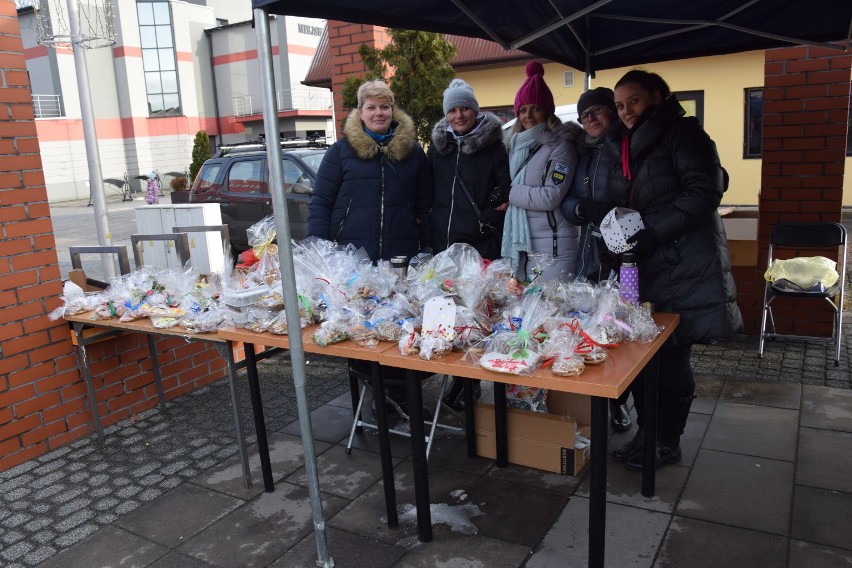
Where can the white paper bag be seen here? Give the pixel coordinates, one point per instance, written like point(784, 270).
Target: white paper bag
point(619, 225)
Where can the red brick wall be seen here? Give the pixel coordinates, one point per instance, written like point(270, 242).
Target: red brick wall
point(42, 394)
point(344, 40)
point(805, 113)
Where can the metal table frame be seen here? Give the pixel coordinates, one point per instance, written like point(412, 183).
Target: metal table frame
point(602, 383)
point(83, 325)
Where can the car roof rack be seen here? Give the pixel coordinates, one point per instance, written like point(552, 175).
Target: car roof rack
point(260, 145)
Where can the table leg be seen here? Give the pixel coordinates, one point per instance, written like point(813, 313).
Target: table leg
point(259, 421)
point(649, 472)
point(355, 394)
point(83, 363)
point(418, 456)
point(158, 376)
point(384, 444)
point(469, 418)
point(501, 429)
point(227, 351)
point(597, 482)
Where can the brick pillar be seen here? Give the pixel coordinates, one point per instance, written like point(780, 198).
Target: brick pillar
point(33, 350)
point(344, 39)
point(805, 113)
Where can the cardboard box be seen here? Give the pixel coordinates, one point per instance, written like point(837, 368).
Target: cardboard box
point(741, 230)
point(535, 439)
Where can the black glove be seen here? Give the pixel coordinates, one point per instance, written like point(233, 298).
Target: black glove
point(646, 241)
point(593, 211)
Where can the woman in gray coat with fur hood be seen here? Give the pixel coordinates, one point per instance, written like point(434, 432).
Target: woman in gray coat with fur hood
point(542, 158)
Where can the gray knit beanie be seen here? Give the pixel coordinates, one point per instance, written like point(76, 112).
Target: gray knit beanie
point(459, 94)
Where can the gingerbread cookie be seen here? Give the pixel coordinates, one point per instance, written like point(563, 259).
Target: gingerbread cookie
point(568, 366)
point(513, 363)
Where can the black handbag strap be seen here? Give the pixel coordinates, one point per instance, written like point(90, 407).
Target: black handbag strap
point(469, 196)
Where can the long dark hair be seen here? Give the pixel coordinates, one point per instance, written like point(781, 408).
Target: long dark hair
point(648, 81)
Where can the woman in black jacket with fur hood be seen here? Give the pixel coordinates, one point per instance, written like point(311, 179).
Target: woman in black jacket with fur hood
point(672, 176)
point(470, 173)
point(374, 187)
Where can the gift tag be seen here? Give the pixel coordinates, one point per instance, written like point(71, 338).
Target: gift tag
point(439, 318)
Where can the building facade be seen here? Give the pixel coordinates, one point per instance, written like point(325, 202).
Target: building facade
point(176, 67)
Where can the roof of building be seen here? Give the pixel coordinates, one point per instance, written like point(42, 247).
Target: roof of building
point(471, 53)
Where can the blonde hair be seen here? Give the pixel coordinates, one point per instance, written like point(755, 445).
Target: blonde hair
point(552, 122)
point(374, 90)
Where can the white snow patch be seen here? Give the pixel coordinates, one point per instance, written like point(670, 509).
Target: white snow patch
point(456, 517)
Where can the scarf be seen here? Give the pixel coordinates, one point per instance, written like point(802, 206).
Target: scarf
point(516, 228)
point(380, 138)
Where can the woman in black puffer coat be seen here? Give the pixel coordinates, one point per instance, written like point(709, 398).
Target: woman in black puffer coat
point(673, 177)
point(470, 174)
point(374, 187)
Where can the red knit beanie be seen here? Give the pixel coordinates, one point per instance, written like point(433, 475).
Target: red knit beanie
point(534, 91)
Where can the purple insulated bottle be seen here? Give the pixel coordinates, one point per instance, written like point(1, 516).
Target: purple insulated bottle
point(628, 278)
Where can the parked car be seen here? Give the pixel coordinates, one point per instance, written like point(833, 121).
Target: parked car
point(237, 179)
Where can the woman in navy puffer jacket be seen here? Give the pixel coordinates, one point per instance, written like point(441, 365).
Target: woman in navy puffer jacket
point(374, 187)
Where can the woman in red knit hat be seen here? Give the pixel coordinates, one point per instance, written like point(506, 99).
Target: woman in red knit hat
point(542, 157)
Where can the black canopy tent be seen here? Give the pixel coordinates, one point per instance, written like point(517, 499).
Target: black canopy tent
point(586, 35)
point(603, 34)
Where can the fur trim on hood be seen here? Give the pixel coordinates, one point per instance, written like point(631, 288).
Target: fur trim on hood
point(487, 132)
point(399, 147)
point(570, 131)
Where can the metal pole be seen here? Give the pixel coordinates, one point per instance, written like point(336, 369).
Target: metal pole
point(288, 280)
point(90, 136)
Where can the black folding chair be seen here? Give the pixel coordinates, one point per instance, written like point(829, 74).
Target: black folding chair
point(807, 236)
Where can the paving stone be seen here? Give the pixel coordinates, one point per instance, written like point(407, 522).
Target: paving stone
point(346, 549)
point(179, 515)
point(128, 491)
point(259, 531)
point(127, 506)
point(16, 520)
point(44, 536)
point(149, 494)
point(101, 492)
point(754, 430)
point(40, 554)
point(12, 536)
point(47, 480)
point(110, 546)
point(343, 475)
point(73, 506)
point(16, 550)
point(632, 537)
point(808, 555)
point(822, 516)
point(177, 560)
point(15, 482)
point(820, 464)
point(52, 465)
point(756, 491)
point(780, 395)
point(76, 535)
point(828, 408)
point(696, 544)
point(65, 494)
point(74, 519)
point(515, 516)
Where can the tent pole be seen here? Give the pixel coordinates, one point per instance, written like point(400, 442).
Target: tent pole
point(288, 280)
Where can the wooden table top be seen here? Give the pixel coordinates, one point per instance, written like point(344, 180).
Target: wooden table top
point(608, 379)
point(143, 326)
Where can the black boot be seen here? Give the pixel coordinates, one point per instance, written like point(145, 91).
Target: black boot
point(631, 448)
point(455, 391)
point(666, 453)
point(619, 416)
point(457, 403)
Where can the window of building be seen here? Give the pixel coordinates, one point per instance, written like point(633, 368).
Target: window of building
point(693, 103)
point(158, 58)
point(753, 141)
